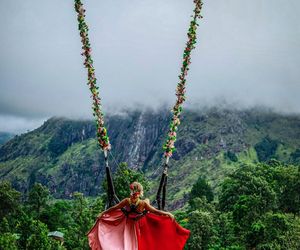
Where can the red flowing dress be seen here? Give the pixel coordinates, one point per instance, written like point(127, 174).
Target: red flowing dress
point(131, 230)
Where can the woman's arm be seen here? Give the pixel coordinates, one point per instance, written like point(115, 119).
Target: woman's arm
point(156, 211)
point(121, 204)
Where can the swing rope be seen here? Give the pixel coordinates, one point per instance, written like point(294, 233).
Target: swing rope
point(102, 136)
point(169, 146)
point(181, 86)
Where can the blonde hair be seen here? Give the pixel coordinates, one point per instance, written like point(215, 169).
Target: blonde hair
point(137, 187)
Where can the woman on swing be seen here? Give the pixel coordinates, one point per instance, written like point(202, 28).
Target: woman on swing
point(134, 224)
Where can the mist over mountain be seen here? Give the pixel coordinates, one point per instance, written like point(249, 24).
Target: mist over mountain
point(63, 154)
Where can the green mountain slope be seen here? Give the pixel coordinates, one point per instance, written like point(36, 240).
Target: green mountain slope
point(4, 137)
point(63, 154)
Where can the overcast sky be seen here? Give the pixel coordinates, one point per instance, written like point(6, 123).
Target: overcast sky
point(247, 54)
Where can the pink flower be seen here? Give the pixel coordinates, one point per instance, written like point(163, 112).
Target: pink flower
point(172, 133)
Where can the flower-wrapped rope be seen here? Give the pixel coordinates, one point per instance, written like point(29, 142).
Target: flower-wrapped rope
point(169, 146)
point(102, 136)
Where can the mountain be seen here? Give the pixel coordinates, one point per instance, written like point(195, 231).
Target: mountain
point(63, 154)
point(4, 137)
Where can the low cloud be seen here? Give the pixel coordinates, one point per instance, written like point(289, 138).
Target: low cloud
point(18, 125)
point(247, 54)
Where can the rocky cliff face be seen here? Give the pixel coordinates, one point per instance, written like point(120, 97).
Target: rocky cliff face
point(63, 154)
point(137, 135)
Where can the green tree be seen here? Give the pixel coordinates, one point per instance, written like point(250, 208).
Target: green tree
point(82, 221)
point(287, 186)
point(256, 196)
point(4, 226)
point(96, 206)
point(266, 149)
point(248, 208)
point(248, 194)
point(226, 237)
point(295, 156)
point(248, 188)
point(124, 177)
point(8, 241)
point(201, 204)
point(274, 231)
point(57, 215)
point(202, 189)
point(23, 228)
point(231, 156)
point(33, 234)
point(200, 225)
point(38, 198)
point(10, 199)
point(39, 236)
point(181, 217)
point(56, 245)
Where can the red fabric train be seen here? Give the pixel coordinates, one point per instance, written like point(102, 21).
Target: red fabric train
point(116, 231)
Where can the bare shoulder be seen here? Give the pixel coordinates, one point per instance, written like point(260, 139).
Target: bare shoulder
point(125, 201)
point(146, 205)
point(142, 204)
point(147, 201)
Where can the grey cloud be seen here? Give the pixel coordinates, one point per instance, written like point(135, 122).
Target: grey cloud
point(247, 55)
point(17, 125)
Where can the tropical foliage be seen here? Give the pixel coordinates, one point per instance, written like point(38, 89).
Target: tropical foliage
point(256, 207)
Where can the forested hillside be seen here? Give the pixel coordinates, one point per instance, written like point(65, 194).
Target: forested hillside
point(63, 154)
point(234, 180)
point(4, 137)
point(257, 207)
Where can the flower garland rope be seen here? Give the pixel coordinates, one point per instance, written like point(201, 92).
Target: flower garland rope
point(169, 146)
point(102, 136)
